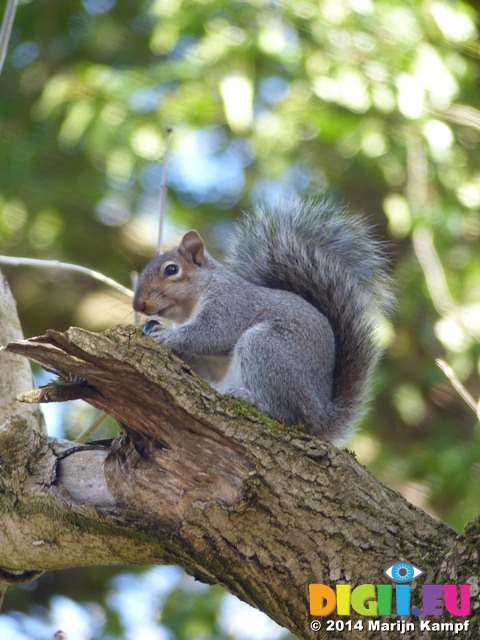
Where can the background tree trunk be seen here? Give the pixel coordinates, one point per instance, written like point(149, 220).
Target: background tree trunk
point(202, 481)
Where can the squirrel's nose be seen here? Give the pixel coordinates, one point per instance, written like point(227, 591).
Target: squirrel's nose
point(139, 304)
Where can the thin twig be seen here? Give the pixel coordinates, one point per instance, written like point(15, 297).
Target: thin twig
point(457, 385)
point(417, 170)
point(7, 24)
point(56, 264)
point(134, 279)
point(85, 435)
point(433, 270)
point(460, 113)
point(163, 195)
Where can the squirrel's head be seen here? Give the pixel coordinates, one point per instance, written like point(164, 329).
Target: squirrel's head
point(168, 286)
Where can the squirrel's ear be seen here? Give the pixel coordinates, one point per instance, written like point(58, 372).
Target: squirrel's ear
point(192, 247)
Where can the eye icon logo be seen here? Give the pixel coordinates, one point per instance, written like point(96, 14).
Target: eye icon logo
point(403, 572)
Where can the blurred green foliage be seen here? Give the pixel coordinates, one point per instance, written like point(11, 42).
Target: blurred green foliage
point(371, 101)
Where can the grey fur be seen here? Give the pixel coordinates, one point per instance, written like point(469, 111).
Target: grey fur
point(290, 327)
point(328, 257)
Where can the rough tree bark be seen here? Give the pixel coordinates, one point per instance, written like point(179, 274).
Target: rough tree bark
point(204, 482)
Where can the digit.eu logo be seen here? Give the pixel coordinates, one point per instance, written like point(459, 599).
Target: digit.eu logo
point(376, 600)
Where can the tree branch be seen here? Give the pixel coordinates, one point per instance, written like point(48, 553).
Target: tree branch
point(15, 372)
point(208, 483)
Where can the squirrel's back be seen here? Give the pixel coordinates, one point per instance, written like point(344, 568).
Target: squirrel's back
point(328, 257)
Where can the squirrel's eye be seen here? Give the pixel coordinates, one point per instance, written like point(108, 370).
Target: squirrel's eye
point(171, 269)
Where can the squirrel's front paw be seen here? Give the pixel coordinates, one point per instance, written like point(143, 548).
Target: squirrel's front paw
point(152, 328)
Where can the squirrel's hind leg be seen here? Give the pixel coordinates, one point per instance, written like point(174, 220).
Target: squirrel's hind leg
point(245, 394)
point(281, 384)
point(251, 369)
point(233, 383)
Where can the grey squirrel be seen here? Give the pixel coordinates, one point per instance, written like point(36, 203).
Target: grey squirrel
point(290, 324)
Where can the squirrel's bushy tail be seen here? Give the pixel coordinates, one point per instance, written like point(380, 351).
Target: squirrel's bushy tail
point(327, 256)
